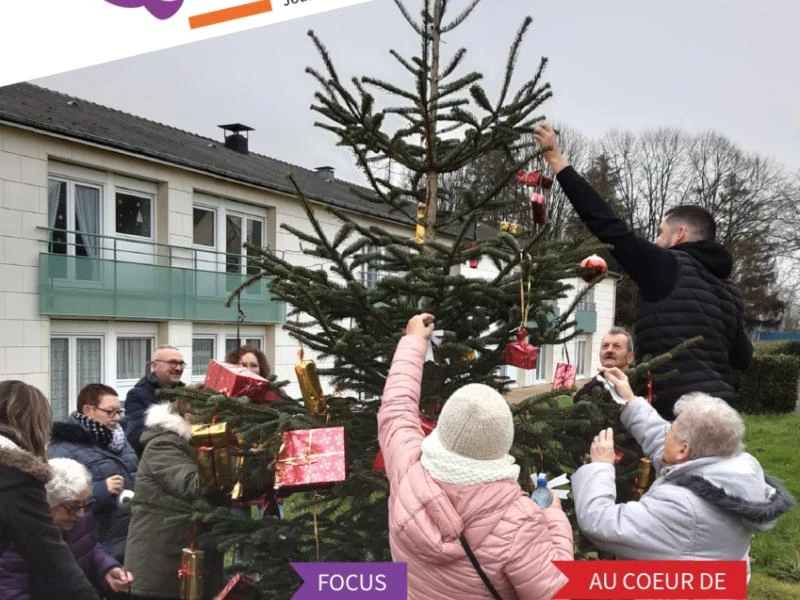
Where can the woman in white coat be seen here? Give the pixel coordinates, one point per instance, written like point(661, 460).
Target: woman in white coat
point(710, 497)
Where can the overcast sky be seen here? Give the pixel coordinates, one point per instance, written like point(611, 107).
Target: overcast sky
point(726, 65)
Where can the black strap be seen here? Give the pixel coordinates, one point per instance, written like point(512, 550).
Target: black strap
point(477, 566)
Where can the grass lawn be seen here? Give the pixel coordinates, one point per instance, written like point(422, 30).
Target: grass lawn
point(776, 554)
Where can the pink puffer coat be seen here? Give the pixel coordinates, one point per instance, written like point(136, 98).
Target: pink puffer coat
point(514, 540)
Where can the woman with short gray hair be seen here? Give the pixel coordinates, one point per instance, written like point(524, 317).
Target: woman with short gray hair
point(710, 426)
point(710, 497)
point(67, 494)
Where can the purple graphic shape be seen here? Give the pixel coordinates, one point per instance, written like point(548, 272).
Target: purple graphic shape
point(160, 9)
point(352, 581)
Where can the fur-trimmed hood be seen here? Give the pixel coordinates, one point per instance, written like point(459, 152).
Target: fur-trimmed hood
point(736, 485)
point(159, 418)
point(14, 457)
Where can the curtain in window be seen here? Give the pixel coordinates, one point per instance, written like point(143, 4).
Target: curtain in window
point(89, 362)
point(541, 364)
point(580, 357)
point(202, 352)
point(133, 354)
point(87, 220)
point(53, 194)
point(59, 378)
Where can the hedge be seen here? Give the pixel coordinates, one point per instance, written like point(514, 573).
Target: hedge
point(791, 347)
point(770, 384)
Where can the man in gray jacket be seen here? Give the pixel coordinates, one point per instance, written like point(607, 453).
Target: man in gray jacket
point(711, 495)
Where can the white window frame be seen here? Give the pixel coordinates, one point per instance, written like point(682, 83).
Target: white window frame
point(221, 335)
point(198, 377)
point(72, 363)
point(582, 359)
point(587, 302)
point(131, 381)
point(109, 331)
point(370, 275)
point(108, 183)
point(222, 208)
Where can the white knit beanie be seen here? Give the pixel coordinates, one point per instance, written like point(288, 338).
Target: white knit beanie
point(476, 422)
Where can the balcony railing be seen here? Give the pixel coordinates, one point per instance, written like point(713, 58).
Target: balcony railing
point(86, 275)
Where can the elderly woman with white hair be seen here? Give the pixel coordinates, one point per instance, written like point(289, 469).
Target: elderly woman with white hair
point(67, 494)
point(710, 497)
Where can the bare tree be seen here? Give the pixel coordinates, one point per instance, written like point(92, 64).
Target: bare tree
point(651, 172)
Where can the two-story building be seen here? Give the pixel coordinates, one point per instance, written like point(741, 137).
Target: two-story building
point(119, 234)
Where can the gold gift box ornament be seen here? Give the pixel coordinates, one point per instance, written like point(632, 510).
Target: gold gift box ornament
point(190, 574)
point(219, 459)
point(512, 228)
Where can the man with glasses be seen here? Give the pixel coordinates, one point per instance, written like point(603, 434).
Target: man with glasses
point(93, 437)
point(166, 369)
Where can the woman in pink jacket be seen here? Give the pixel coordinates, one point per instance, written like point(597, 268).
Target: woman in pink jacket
point(462, 480)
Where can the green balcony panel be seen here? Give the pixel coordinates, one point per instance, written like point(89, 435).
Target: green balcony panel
point(586, 320)
point(77, 286)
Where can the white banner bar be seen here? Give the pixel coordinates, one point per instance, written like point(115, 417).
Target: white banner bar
point(39, 38)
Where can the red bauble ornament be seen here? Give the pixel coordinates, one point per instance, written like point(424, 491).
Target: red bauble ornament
point(473, 262)
point(594, 266)
point(534, 178)
point(539, 208)
point(520, 353)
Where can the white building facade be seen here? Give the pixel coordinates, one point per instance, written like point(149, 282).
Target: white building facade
point(118, 235)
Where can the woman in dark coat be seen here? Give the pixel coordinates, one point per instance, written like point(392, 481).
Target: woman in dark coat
point(25, 520)
point(168, 468)
point(93, 437)
point(67, 493)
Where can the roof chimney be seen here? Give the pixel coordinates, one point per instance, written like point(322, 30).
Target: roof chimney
point(326, 173)
point(234, 138)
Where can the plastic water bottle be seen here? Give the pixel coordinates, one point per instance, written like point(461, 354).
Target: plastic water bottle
point(541, 494)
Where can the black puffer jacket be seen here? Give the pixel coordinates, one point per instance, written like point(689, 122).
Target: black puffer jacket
point(140, 397)
point(684, 292)
point(25, 523)
point(702, 302)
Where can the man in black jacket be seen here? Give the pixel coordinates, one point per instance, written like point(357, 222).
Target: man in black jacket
point(684, 288)
point(166, 367)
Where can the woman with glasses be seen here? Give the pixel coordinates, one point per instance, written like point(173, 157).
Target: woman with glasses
point(25, 521)
point(93, 437)
point(67, 494)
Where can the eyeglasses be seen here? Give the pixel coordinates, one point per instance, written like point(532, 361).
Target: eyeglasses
point(73, 509)
point(111, 412)
point(173, 364)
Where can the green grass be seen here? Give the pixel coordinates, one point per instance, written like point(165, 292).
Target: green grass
point(776, 554)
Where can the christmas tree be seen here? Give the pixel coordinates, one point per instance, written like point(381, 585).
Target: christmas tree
point(409, 138)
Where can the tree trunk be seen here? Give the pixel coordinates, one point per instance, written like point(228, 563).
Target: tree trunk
point(432, 177)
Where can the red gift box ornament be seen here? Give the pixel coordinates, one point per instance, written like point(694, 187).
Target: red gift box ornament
point(235, 381)
point(520, 353)
point(594, 266)
point(310, 458)
point(564, 377)
point(240, 587)
point(535, 179)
